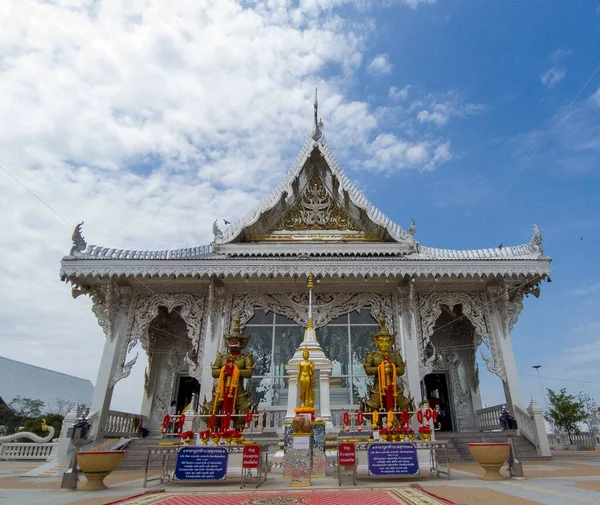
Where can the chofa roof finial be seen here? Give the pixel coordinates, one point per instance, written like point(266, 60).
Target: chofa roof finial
point(316, 134)
point(79, 243)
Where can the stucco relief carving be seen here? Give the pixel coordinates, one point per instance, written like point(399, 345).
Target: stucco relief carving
point(191, 309)
point(514, 308)
point(429, 308)
point(108, 301)
point(326, 306)
point(461, 396)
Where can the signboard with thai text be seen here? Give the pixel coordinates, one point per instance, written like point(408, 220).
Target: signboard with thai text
point(392, 459)
point(346, 454)
point(201, 463)
point(251, 456)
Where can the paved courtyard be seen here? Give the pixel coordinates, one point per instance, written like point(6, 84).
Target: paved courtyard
point(570, 478)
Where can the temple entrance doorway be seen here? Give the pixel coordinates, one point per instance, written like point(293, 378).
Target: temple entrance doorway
point(436, 391)
point(186, 388)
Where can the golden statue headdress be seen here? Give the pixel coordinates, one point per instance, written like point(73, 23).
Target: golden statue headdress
point(382, 332)
point(236, 334)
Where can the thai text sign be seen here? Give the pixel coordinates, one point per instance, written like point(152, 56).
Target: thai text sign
point(393, 459)
point(201, 463)
point(251, 456)
point(346, 454)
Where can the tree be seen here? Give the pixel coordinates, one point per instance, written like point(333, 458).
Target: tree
point(26, 408)
point(566, 411)
point(61, 406)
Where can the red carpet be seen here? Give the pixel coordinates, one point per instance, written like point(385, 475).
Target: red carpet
point(396, 496)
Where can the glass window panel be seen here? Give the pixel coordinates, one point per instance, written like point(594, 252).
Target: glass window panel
point(279, 319)
point(261, 391)
point(339, 320)
point(339, 391)
point(360, 341)
point(360, 388)
point(280, 391)
point(261, 317)
point(334, 342)
point(362, 316)
point(261, 344)
point(287, 340)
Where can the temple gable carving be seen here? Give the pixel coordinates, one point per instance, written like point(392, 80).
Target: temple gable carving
point(316, 210)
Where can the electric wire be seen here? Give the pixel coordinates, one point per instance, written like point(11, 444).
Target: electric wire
point(48, 206)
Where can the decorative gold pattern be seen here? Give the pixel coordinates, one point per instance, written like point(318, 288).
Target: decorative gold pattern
point(316, 210)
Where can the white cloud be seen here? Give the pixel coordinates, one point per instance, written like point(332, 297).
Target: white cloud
point(559, 55)
point(595, 98)
point(441, 108)
point(398, 94)
point(389, 153)
point(552, 76)
point(380, 65)
point(584, 290)
point(148, 121)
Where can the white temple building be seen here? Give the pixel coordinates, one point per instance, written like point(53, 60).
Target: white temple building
point(443, 306)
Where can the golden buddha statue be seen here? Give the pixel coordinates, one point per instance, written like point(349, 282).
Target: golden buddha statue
point(231, 368)
point(385, 365)
point(306, 370)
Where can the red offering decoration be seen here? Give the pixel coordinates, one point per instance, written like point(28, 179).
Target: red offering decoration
point(359, 420)
point(346, 418)
point(428, 414)
point(405, 417)
point(211, 421)
point(251, 456)
point(346, 454)
point(165, 423)
point(435, 416)
point(180, 422)
point(420, 416)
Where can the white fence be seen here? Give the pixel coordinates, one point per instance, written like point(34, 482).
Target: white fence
point(578, 439)
point(488, 419)
point(26, 451)
point(121, 424)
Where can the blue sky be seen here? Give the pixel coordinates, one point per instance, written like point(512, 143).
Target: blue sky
point(149, 121)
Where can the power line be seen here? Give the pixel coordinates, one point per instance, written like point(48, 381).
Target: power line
point(560, 379)
point(35, 196)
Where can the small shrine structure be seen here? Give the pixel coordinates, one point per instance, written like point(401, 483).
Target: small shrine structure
point(440, 306)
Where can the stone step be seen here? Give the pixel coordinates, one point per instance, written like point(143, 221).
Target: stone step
point(458, 450)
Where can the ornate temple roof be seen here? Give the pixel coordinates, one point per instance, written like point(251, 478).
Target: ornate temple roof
point(315, 216)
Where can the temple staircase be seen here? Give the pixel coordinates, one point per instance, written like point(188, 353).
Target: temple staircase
point(458, 451)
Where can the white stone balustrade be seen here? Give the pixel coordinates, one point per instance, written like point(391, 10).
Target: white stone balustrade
point(121, 424)
point(488, 419)
point(26, 451)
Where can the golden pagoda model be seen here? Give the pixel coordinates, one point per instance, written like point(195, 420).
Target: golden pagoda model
point(385, 365)
point(229, 395)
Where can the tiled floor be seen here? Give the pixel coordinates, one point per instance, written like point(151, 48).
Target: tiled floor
point(567, 479)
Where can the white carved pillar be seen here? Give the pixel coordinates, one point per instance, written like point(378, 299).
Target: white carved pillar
point(211, 346)
point(325, 402)
point(410, 344)
point(292, 403)
point(509, 375)
point(103, 389)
